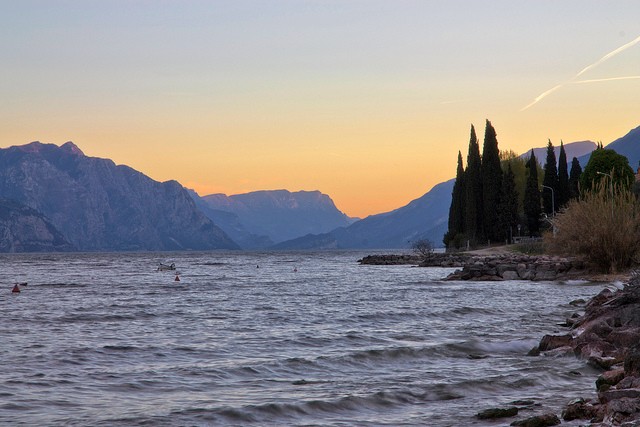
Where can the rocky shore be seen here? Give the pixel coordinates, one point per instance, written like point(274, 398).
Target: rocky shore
point(504, 266)
point(607, 336)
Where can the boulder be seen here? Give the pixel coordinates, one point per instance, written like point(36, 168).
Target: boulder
point(538, 421)
point(494, 413)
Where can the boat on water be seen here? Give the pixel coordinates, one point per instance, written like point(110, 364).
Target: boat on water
point(166, 267)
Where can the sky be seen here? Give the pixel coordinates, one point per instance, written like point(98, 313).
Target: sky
point(368, 101)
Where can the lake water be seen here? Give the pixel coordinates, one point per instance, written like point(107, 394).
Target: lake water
point(245, 339)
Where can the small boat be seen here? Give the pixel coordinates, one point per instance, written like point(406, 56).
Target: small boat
point(165, 267)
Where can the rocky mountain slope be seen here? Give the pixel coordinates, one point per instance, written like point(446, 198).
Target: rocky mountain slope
point(274, 216)
point(23, 229)
point(99, 206)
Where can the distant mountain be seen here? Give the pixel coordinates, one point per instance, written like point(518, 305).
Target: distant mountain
point(573, 149)
point(23, 229)
point(230, 223)
point(628, 146)
point(99, 206)
point(275, 216)
point(423, 218)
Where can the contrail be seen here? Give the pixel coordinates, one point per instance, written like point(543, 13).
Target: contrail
point(587, 68)
point(608, 79)
point(542, 95)
point(609, 55)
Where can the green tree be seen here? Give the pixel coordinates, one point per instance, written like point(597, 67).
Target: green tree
point(532, 208)
point(550, 181)
point(563, 179)
point(605, 163)
point(574, 179)
point(518, 167)
point(491, 183)
point(456, 210)
point(508, 206)
point(473, 191)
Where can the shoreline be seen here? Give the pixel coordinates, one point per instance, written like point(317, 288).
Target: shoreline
point(606, 336)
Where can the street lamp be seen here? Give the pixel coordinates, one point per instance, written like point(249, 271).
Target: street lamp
point(610, 187)
point(553, 198)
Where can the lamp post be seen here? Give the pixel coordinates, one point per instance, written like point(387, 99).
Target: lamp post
point(610, 187)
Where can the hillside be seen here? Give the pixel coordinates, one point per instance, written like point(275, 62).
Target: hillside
point(99, 206)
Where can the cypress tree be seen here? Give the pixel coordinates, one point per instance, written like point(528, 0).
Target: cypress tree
point(508, 206)
point(491, 184)
point(473, 191)
point(563, 178)
point(456, 210)
point(574, 179)
point(549, 198)
point(532, 208)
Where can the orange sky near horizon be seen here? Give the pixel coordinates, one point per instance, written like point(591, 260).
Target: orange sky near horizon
point(368, 102)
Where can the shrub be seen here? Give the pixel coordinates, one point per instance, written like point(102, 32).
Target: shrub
point(603, 227)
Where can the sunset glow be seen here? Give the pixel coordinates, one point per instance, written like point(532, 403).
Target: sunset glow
point(366, 101)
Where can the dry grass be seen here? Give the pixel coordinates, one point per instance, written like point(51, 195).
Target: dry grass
point(603, 227)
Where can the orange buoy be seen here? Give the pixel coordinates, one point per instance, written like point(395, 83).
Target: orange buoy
point(177, 279)
point(16, 289)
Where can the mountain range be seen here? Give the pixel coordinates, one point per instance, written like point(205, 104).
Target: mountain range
point(96, 205)
point(57, 199)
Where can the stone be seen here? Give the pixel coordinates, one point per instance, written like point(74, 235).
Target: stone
point(538, 421)
point(609, 378)
point(579, 410)
point(510, 275)
point(550, 342)
point(494, 413)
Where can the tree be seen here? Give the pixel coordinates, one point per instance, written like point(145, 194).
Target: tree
point(574, 179)
point(508, 207)
point(549, 202)
point(491, 183)
point(457, 209)
point(473, 191)
point(532, 208)
point(605, 163)
point(518, 167)
point(563, 179)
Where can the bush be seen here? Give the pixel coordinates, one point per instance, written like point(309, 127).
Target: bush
point(423, 247)
point(603, 227)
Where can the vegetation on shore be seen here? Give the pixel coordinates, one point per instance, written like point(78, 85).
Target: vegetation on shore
point(592, 214)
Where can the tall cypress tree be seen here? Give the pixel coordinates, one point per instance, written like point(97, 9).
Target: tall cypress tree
point(574, 179)
point(473, 191)
point(532, 208)
point(508, 206)
point(491, 184)
point(563, 178)
point(549, 198)
point(456, 210)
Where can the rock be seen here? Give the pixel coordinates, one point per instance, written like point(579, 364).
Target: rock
point(510, 275)
point(579, 410)
point(615, 394)
point(538, 421)
point(497, 413)
point(609, 378)
point(550, 342)
point(632, 363)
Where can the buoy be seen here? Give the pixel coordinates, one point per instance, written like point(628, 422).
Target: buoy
point(295, 269)
point(177, 279)
point(16, 289)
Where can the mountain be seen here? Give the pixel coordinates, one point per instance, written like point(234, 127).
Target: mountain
point(230, 223)
point(23, 229)
point(423, 218)
point(274, 216)
point(573, 149)
point(100, 206)
point(629, 146)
